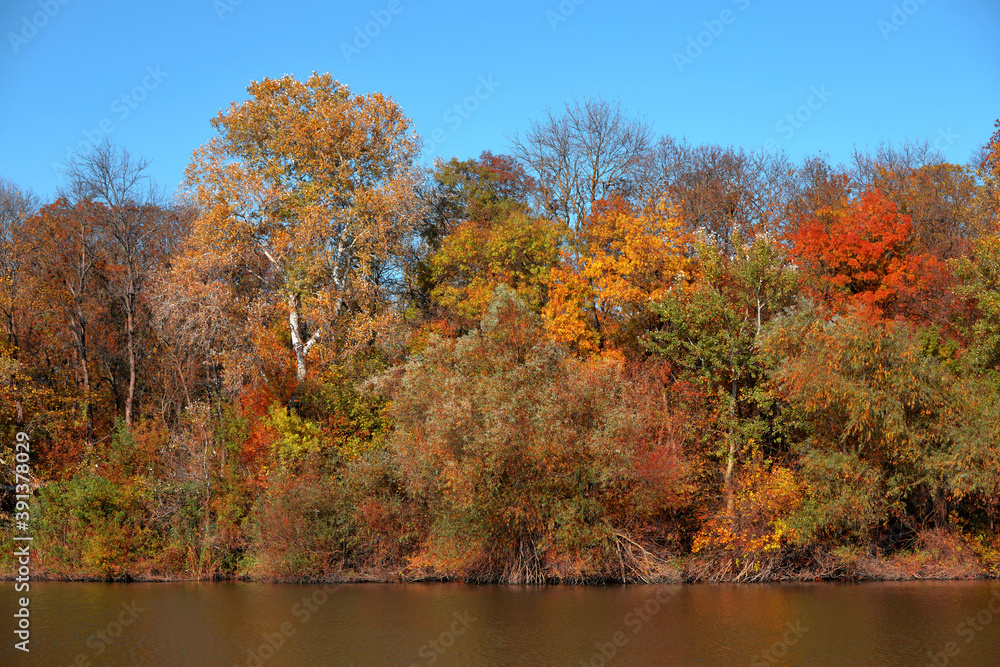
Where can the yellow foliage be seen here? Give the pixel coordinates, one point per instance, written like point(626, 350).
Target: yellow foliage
point(624, 260)
point(766, 498)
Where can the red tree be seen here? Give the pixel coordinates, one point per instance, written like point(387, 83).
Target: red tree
point(860, 255)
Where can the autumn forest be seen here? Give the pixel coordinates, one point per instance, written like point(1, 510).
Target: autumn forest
point(597, 354)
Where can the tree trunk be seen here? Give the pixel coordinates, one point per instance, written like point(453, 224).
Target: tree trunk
point(300, 347)
point(732, 435)
point(130, 326)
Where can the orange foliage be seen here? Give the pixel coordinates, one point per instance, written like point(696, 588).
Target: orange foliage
point(860, 256)
point(254, 405)
point(627, 259)
point(766, 498)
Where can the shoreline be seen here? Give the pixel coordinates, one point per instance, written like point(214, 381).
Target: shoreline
point(369, 578)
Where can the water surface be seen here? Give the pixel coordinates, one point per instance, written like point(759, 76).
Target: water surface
point(213, 624)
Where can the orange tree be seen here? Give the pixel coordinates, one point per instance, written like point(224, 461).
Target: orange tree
point(859, 254)
point(316, 181)
point(624, 259)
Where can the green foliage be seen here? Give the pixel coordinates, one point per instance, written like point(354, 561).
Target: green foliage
point(297, 529)
point(711, 331)
point(980, 287)
point(93, 526)
point(876, 415)
point(845, 496)
point(352, 421)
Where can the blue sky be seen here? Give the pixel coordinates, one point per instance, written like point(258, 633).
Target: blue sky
point(794, 76)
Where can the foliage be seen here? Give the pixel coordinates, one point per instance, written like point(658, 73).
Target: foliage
point(875, 414)
point(607, 357)
point(317, 181)
point(517, 251)
point(530, 462)
point(93, 526)
point(860, 255)
point(623, 259)
point(710, 330)
point(979, 272)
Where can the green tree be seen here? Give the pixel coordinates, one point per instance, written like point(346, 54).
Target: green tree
point(711, 330)
point(876, 415)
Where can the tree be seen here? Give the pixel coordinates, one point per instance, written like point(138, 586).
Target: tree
point(485, 192)
point(533, 465)
point(712, 329)
point(627, 258)
point(134, 217)
point(590, 152)
point(202, 315)
point(817, 186)
point(979, 286)
point(941, 199)
point(16, 288)
point(989, 172)
point(860, 254)
point(71, 266)
point(719, 190)
point(518, 251)
point(318, 182)
point(878, 418)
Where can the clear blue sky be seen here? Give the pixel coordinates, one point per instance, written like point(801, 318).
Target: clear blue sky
point(872, 70)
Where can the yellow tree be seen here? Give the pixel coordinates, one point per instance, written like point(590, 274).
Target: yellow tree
point(628, 258)
point(318, 182)
point(517, 250)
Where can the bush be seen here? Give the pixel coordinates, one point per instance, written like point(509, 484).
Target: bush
point(532, 465)
point(92, 527)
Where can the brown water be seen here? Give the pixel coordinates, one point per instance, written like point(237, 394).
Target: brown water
point(925, 623)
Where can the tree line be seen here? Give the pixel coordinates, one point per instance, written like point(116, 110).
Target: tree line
point(602, 355)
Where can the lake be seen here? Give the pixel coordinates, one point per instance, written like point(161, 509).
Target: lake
point(194, 624)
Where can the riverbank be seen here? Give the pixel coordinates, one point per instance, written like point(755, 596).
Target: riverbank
point(939, 555)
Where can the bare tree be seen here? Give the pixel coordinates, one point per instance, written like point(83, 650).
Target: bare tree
point(903, 158)
point(719, 189)
point(589, 152)
point(118, 180)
